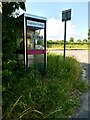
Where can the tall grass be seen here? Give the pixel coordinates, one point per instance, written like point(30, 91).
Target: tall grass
point(28, 94)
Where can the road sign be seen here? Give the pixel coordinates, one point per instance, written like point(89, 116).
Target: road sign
point(66, 15)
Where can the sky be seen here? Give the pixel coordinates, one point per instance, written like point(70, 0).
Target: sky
point(89, 15)
point(77, 27)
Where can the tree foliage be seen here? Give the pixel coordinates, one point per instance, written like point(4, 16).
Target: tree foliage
point(79, 41)
point(9, 32)
point(9, 42)
point(89, 35)
point(84, 40)
point(71, 40)
point(9, 46)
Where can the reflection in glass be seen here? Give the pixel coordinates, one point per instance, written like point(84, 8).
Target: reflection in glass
point(36, 61)
point(35, 39)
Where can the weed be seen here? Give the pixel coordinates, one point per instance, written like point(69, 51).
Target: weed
point(53, 96)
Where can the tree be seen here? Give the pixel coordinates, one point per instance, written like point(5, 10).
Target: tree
point(9, 47)
point(9, 32)
point(61, 41)
point(9, 40)
point(71, 40)
point(89, 35)
point(79, 41)
point(84, 40)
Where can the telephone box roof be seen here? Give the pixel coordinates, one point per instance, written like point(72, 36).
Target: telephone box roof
point(34, 16)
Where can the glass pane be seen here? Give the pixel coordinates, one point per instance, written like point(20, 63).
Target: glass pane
point(40, 39)
point(39, 62)
point(21, 58)
point(36, 61)
point(35, 38)
point(30, 60)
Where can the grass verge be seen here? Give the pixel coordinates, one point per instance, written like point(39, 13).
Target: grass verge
point(28, 94)
point(68, 47)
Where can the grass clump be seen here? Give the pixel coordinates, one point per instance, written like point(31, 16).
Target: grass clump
point(28, 94)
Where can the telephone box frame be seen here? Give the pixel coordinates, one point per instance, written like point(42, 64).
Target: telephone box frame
point(25, 51)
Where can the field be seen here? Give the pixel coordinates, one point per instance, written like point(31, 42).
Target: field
point(72, 46)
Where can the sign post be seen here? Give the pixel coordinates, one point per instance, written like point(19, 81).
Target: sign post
point(66, 15)
point(64, 39)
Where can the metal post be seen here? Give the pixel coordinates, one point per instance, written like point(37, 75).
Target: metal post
point(34, 40)
point(24, 40)
point(64, 39)
point(26, 47)
point(45, 54)
point(25, 43)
